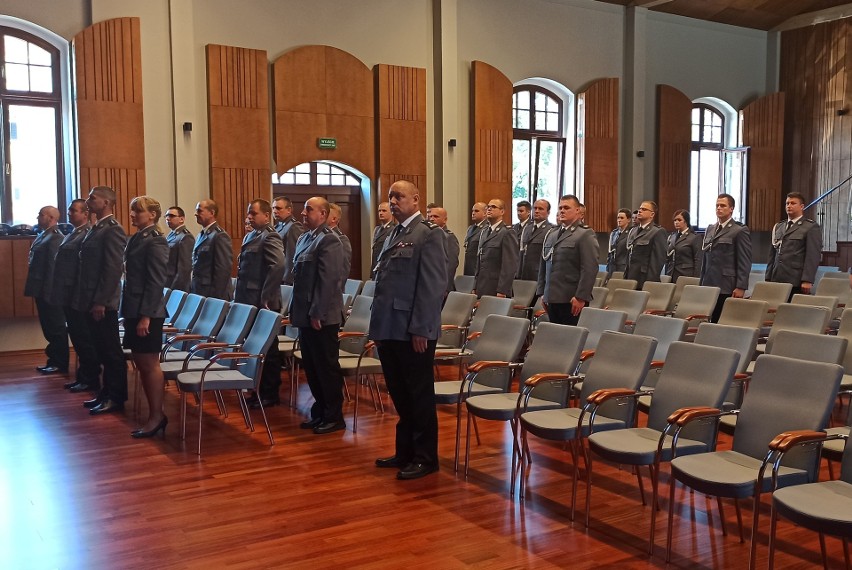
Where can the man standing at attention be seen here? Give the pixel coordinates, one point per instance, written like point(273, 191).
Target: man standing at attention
point(333, 221)
point(646, 247)
point(405, 324)
point(498, 254)
point(212, 256)
point(179, 269)
point(524, 209)
point(38, 286)
point(727, 255)
point(796, 248)
point(290, 229)
point(471, 238)
point(569, 265)
point(319, 272)
point(438, 216)
point(380, 233)
point(532, 240)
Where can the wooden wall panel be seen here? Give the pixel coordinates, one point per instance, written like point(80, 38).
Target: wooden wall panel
point(763, 130)
point(15, 252)
point(400, 126)
point(814, 73)
point(108, 67)
point(673, 147)
point(240, 156)
point(492, 135)
point(321, 91)
point(600, 107)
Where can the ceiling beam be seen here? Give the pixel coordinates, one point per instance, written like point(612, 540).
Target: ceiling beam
point(648, 3)
point(813, 18)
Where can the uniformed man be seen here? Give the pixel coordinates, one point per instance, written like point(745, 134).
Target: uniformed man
point(405, 324)
point(380, 234)
point(260, 270)
point(569, 265)
point(498, 254)
point(65, 286)
point(471, 238)
point(524, 210)
point(646, 247)
point(796, 247)
point(316, 309)
point(38, 286)
point(532, 240)
point(616, 259)
point(727, 254)
point(333, 221)
point(180, 240)
point(290, 229)
point(438, 216)
point(98, 295)
point(212, 256)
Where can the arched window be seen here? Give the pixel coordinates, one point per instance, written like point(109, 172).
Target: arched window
point(31, 100)
point(317, 174)
point(538, 149)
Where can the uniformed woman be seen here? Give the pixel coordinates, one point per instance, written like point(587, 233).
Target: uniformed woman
point(683, 249)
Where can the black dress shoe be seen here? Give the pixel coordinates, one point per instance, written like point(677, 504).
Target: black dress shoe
point(416, 471)
point(79, 387)
point(311, 423)
point(53, 370)
point(254, 403)
point(139, 434)
point(393, 462)
point(93, 403)
point(329, 427)
point(42, 368)
point(68, 385)
point(107, 407)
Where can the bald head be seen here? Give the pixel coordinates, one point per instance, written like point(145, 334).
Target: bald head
point(438, 216)
point(477, 212)
point(404, 198)
point(315, 212)
point(48, 217)
point(206, 212)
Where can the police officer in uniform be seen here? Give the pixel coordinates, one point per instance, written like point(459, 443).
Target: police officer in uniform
point(64, 287)
point(333, 221)
point(683, 249)
point(212, 256)
point(471, 238)
point(523, 209)
point(406, 323)
point(38, 286)
point(98, 295)
point(646, 247)
point(259, 273)
point(498, 254)
point(727, 255)
point(796, 247)
point(380, 234)
point(290, 229)
point(616, 259)
point(316, 309)
point(179, 270)
point(569, 265)
point(532, 241)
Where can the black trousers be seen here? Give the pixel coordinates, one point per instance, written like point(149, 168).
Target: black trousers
point(319, 358)
point(88, 366)
point(110, 355)
point(560, 313)
point(52, 321)
point(717, 310)
point(410, 379)
point(270, 376)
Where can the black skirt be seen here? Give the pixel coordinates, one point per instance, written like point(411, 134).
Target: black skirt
point(150, 344)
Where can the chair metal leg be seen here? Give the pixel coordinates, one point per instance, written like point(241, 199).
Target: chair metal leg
point(588, 486)
point(467, 443)
point(846, 552)
point(575, 460)
point(754, 526)
point(183, 416)
point(641, 485)
point(722, 515)
point(250, 424)
point(200, 417)
point(773, 523)
point(357, 399)
point(458, 435)
point(265, 422)
point(670, 526)
point(823, 551)
point(655, 505)
point(220, 403)
point(476, 431)
point(516, 447)
point(524, 465)
point(739, 519)
point(243, 408)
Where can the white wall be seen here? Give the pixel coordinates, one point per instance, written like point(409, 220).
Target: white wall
point(62, 17)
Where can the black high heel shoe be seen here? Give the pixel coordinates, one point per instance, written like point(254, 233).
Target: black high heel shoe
point(138, 434)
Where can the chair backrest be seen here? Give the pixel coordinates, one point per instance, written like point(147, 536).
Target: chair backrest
point(786, 394)
point(347, 301)
point(597, 321)
point(174, 303)
point(286, 296)
point(456, 312)
point(741, 339)
point(369, 288)
point(810, 347)
point(800, 318)
point(599, 297)
point(359, 322)
point(665, 329)
point(755, 277)
point(614, 284)
point(631, 302)
point(556, 348)
point(464, 283)
point(743, 313)
point(834, 274)
point(620, 361)
point(682, 282)
point(835, 288)
point(211, 317)
point(826, 301)
point(615, 274)
point(489, 306)
point(694, 375)
point(773, 293)
point(523, 291)
point(846, 463)
point(263, 332)
point(237, 323)
point(661, 295)
point(188, 314)
point(353, 287)
point(502, 339)
point(696, 300)
point(845, 331)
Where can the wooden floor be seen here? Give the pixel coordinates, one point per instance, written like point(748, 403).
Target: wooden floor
point(77, 492)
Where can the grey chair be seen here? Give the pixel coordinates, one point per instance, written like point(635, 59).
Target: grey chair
point(837, 288)
point(523, 292)
point(661, 295)
point(455, 317)
point(773, 293)
point(598, 321)
point(613, 283)
point(630, 302)
point(620, 362)
point(464, 283)
point(666, 330)
point(695, 304)
point(554, 354)
point(741, 339)
point(174, 303)
point(353, 287)
point(286, 297)
point(484, 308)
point(829, 302)
point(777, 401)
point(845, 331)
point(205, 328)
point(599, 297)
point(694, 375)
point(185, 317)
point(369, 288)
point(242, 374)
point(832, 450)
point(750, 313)
point(682, 282)
point(796, 318)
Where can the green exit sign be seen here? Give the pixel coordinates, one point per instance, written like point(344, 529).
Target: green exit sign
point(326, 143)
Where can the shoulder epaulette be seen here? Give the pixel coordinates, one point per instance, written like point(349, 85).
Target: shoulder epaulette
point(429, 224)
point(448, 230)
point(584, 226)
point(112, 222)
point(183, 230)
point(327, 230)
point(219, 228)
point(809, 220)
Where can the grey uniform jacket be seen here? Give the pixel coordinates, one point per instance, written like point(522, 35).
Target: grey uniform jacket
point(40, 271)
point(212, 258)
point(498, 261)
point(453, 250)
point(519, 228)
point(795, 252)
point(179, 270)
point(260, 270)
point(617, 256)
point(410, 284)
point(684, 255)
point(319, 273)
point(568, 265)
point(727, 257)
point(646, 249)
point(101, 264)
point(471, 247)
point(290, 231)
point(380, 234)
point(66, 268)
point(532, 241)
point(145, 264)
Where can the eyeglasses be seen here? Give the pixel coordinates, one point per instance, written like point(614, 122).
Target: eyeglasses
point(645, 210)
point(489, 206)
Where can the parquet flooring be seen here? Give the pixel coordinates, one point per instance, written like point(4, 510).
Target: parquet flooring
point(77, 492)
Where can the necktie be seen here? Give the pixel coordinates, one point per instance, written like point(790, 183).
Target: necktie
point(789, 224)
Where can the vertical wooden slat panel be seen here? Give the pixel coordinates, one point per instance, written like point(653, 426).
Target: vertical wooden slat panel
point(492, 135)
point(763, 131)
point(600, 153)
point(673, 147)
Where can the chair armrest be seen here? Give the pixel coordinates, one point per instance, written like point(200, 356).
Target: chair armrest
point(536, 379)
point(233, 356)
point(660, 312)
point(171, 329)
point(696, 317)
point(208, 345)
point(656, 364)
point(180, 337)
point(483, 364)
point(285, 321)
point(598, 397)
point(683, 416)
point(451, 328)
point(587, 354)
point(539, 313)
point(350, 334)
point(527, 308)
point(785, 440)
point(474, 335)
